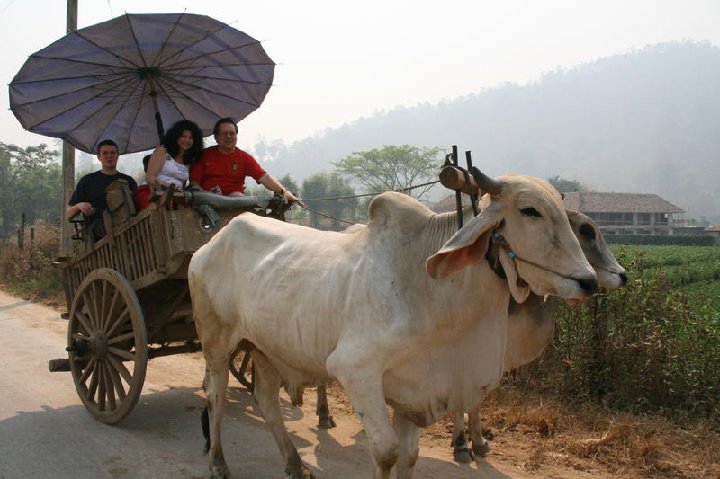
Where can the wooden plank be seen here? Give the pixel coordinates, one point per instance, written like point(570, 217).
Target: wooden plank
point(142, 247)
point(143, 244)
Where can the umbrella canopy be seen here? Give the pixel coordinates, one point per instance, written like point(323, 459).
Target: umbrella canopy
point(110, 80)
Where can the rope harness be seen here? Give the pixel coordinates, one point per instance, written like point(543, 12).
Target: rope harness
point(332, 198)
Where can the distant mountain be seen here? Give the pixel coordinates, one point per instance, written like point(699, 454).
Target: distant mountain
point(645, 122)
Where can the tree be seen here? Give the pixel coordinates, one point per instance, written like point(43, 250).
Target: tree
point(30, 183)
point(564, 185)
point(325, 192)
point(393, 168)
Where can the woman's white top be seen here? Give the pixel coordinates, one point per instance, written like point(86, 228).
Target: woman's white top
point(173, 172)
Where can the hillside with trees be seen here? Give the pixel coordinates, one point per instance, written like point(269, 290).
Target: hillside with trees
point(647, 121)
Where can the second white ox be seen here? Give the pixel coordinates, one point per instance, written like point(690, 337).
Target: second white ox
point(531, 326)
point(394, 312)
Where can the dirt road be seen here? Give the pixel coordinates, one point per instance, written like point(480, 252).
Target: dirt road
point(46, 432)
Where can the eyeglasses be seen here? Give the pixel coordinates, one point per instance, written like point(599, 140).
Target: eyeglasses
point(227, 133)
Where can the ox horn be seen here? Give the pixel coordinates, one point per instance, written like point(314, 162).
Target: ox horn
point(486, 184)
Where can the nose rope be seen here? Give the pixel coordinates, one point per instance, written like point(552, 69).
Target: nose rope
point(498, 237)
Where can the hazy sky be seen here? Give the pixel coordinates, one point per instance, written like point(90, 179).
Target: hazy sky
point(339, 61)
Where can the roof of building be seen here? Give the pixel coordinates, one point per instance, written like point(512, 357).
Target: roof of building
point(713, 229)
point(594, 202)
point(598, 202)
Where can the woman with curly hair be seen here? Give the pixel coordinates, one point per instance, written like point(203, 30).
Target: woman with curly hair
point(170, 163)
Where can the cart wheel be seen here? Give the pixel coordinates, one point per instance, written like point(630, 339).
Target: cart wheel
point(107, 345)
point(242, 368)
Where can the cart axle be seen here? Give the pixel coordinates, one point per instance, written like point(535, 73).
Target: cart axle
point(59, 365)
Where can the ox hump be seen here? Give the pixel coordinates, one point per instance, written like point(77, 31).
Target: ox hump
point(393, 209)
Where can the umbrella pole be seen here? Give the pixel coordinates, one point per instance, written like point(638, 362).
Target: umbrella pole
point(158, 119)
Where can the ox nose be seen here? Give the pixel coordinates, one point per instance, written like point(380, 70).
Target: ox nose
point(589, 285)
point(623, 278)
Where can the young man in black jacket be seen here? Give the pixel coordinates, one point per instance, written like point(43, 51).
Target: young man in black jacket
point(89, 195)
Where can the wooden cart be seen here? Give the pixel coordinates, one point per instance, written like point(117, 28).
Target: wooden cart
point(128, 296)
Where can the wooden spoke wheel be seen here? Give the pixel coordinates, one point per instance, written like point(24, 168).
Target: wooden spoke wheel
point(107, 345)
point(242, 368)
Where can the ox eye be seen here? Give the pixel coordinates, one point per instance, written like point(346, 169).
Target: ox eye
point(587, 231)
point(530, 212)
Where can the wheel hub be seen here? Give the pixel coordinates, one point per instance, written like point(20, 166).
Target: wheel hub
point(98, 344)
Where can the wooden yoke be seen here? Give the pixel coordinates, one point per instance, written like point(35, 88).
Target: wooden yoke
point(452, 177)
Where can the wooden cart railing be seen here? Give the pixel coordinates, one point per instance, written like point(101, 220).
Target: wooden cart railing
point(128, 295)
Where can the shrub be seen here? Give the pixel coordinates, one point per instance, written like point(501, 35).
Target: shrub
point(30, 271)
point(644, 348)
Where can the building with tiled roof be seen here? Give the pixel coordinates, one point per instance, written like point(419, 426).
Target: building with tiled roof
point(626, 213)
point(615, 213)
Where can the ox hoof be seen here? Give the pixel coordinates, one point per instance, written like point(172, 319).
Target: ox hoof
point(220, 473)
point(463, 456)
point(304, 474)
point(327, 423)
point(481, 449)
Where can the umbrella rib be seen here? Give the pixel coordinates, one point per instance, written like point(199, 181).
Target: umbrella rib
point(77, 32)
point(167, 38)
point(163, 87)
point(233, 80)
point(80, 77)
point(135, 40)
point(69, 109)
point(82, 62)
point(222, 94)
point(223, 50)
point(145, 86)
point(107, 84)
point(187, 47)
point(205, 67)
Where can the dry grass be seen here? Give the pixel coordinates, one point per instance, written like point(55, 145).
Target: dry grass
point(30, 272)
point(590, 438)
point(549, 437)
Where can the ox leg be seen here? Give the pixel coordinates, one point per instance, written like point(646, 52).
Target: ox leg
point(461, 448)
point(364, 388)
point(267, 395)
point(480, 445)
point(216, 381)
point(325, 420)
point(409, 441)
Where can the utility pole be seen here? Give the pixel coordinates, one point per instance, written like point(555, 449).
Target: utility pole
point(68, 158)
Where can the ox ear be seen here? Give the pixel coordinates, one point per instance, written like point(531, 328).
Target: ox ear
point(465, 247)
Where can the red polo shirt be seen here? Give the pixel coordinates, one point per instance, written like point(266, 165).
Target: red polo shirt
point(226, 171)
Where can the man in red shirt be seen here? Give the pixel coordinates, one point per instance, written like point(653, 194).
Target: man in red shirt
point(223, 168)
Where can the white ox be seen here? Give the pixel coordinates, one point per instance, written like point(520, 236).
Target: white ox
point(394, 312)
point(531, 326)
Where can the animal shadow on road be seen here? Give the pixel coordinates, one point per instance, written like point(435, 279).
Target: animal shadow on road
point(342, 451)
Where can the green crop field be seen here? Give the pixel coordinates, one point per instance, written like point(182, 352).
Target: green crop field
point(653, 345)
point(694, 270)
